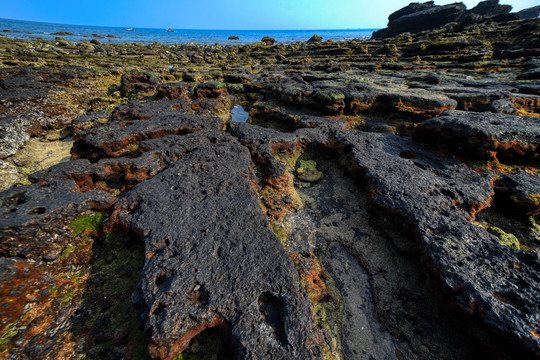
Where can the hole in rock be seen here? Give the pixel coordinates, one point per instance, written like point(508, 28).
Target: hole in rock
point(37, 211)
point(211, 344)
point(158, 310)
point(17, 199)
point(408, 154)
point(272, 310)
point(160, 280)
point(507, 218)
point(238, 114)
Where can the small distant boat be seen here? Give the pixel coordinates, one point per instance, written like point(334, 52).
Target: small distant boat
point(169, 30)
point(129, 29)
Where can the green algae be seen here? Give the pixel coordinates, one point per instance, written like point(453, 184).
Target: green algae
point(506, 239)
point(281, 232)
point(91, 222)
point(307, 171)
point(9, 332)
point(329, 95)
point(187, 356)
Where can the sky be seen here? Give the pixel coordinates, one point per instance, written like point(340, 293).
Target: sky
point(219, 14)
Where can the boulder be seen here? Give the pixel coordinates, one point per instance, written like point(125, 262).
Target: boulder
point(120, 138)
point(315, 39)
point(529, 13)
point(135, 82)
point(234, 38)
point(268, 40)
point(484, 136)
point(32, 216)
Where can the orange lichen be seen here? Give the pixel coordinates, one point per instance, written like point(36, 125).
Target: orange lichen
point(170, 349)
point(477, 207)
point(527, 106)
point(311, 273)
point(536, 333)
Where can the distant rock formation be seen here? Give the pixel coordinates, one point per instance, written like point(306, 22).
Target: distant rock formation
point(268, 40)
point(417, 17)
point(530, 13)
point(315, 39)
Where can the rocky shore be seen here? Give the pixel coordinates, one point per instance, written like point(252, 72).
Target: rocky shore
point(381, 201)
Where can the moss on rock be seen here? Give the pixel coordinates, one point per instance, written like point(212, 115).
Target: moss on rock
point(307, 171)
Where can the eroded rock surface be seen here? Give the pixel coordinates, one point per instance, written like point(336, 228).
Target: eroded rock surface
point(212, 261)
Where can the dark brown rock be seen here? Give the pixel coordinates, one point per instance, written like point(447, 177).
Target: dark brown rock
point(268, 40)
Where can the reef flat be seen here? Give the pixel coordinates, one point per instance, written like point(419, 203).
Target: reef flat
point(382, 200)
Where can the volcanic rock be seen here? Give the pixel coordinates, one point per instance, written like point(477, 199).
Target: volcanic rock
point(114, 139)
point(428, 19)
point(315, 39)
point(410, 9)
point(268, 40)
point(483, 136)
point(30, 216)
point(267, 315)
point(489, 8)
point(529, 13)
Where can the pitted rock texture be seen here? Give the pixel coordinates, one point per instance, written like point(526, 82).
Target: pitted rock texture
point(212, 260)
point(31, 214)
point(483, 135)
point(113, 139)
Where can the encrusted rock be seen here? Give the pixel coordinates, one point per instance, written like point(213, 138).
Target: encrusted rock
point(483, 135)
point(121, 137)
point(191, 268)
point(32, 214)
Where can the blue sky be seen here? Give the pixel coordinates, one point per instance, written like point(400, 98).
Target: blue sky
point(218, 14)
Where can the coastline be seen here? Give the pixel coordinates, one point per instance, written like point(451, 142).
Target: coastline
point(28, 30)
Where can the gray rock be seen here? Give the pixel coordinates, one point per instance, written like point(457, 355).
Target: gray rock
point(502, 106)
point(13, 134)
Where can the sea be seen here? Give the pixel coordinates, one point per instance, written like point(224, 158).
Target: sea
point(39, 30)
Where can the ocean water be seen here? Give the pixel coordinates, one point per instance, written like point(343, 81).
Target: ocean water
point(35, 30)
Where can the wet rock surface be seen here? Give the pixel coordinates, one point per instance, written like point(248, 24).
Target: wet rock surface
point(380, 201)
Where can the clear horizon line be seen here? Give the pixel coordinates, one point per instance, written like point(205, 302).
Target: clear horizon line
point(160, 28)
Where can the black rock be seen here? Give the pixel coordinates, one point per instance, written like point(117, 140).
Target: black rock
point(484, 136)
point(215, 263)
point(431, 18)
point(410, 9)
point(28, 214)
point(529, 13)
point(489, 8)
